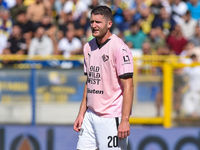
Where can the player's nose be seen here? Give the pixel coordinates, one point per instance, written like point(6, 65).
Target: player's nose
point(93, 25)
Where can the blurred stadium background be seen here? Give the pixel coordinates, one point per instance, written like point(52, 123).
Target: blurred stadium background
point(42, 81)
point(39, 103)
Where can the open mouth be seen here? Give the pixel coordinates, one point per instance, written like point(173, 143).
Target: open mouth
point(94, 30)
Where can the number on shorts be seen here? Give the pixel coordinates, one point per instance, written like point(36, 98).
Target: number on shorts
point(113, 141)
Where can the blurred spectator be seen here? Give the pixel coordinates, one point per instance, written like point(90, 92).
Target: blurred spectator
point(88, 36)
point(41, 44)
point(79, 26)
point(191, 100)
point(162, 50)
point(16, 43)
point(3, 5)
point(136, 38)
point(187, 24)
point(179, 8)
point(195, 51)
point(194, 8)
point(51, 30)
point(94, 3)
point(57, 6)
point(3, 42)
point(155, 7)
point(10, 3)
point(129, 3)
point(154, 39)
point(35, 13)
point(46, 23)
point(5, 23)
point(146, 67)
point(106, 2)
point(70, 45)
point(167, 5)
point(146, 48)
point(196, 37)
point(117, 12)
point(89, 2)
point(176, 41)
point(64, 21)
point(137, 9)
point(19, 7)
point(25, 25)
point(48, 5)
point(186, 52)
point(161, 34)
point(164, 21)
point(178, 86)
point(28, 2)
point(146, 20)
point(124, 26)
point(76, 7)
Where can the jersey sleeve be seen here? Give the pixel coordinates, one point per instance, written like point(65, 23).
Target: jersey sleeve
point(124, 62)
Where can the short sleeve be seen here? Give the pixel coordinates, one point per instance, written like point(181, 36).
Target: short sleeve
point(124, 62)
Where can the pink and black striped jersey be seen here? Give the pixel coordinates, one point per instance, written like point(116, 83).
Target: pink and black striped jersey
point(104, 65)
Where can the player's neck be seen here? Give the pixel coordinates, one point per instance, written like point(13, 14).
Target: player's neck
point(102, 40)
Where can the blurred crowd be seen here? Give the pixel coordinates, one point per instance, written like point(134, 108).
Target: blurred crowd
point(149, 27)
point(56, 27)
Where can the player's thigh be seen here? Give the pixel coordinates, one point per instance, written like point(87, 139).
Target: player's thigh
point(106, 133)
point(87, 138)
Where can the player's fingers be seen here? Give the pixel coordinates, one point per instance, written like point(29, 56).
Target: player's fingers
point(125, 134)
point(75, 127)
point(79, 125)
point(119, 135)
point(128, 133)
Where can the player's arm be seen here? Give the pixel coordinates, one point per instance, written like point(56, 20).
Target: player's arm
point(124, 126)
point(82, 110)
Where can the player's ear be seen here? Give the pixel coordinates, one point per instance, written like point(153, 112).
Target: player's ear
point(110, 24)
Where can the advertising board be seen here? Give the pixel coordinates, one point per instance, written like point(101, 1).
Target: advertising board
point(64, 138)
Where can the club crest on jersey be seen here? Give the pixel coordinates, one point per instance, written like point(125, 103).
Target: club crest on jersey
point(105, 57)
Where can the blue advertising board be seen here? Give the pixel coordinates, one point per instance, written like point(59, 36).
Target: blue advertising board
point(64, 138)
point(55, 84)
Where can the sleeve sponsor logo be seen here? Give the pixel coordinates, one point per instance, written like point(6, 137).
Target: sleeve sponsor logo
point(126, 60)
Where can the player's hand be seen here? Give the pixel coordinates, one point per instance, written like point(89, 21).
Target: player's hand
point(78, 123)
point(123, 129)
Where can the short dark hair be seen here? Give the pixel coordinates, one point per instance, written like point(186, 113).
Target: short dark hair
point(193, 56)
point(21, 12)
point(102, 10)
point(187, 12)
